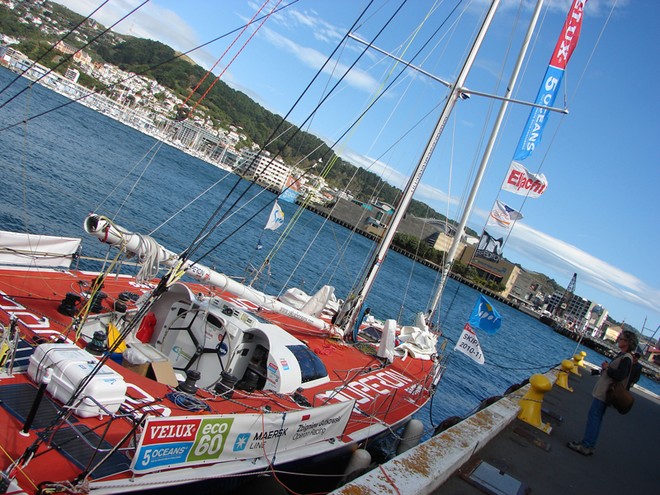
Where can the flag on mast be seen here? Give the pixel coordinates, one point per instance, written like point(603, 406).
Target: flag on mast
point(485, 317)
point(502, 215)
point(538, 117)
point(468, 344)
point(276, 218)
point(520, 181)
point(489, 247)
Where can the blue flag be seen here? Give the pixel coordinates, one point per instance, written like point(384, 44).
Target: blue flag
point(568, 39)
point(485, 317)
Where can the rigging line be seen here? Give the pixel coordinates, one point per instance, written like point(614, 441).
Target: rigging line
point(327, 84)
point(384, 91)
point(126, 176)
point(298, 129)
point(334, 159)
point(411, 129)
point(137, 181)
point(323, 100)
point(275, 249)
point(438, 277)
point(202, 235)
point(290, 225)
point(194, 200)
point(411, 39)
point(582, 75)
point(499, 192)
point(499, 79)
point(498, 137)
point(194, 245)
point(69, 57)
point(234, 58)
point(137, 74)
point(210, 71)
point(51, 48)
point(418, 249)
point(23, 166)
point(406, 65)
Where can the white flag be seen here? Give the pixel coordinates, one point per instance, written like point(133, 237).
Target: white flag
point(468, 344)
point(519, 181)
point(276, 218)
point(503, 215)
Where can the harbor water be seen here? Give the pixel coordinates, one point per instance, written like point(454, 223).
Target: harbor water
point(61, 166)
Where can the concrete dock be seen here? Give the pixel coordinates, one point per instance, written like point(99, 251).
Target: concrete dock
point(493, 452)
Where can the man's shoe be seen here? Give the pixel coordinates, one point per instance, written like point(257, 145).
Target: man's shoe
point(578, 447)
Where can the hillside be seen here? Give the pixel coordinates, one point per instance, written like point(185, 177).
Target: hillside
point(223, 104)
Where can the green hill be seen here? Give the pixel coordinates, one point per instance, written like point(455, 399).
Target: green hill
point(223, 104)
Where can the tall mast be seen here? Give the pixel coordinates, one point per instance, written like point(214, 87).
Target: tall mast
point(349, 313)
point(467, 211)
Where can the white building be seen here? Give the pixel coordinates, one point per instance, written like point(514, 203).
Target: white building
point(264, 169)
point(72, 75)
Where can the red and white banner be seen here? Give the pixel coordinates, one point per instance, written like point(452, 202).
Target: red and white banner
point(468, 344)
point(520, 181)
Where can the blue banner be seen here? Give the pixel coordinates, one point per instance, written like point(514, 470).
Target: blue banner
point(289, 195)
point(538, 117)
point(485, 317)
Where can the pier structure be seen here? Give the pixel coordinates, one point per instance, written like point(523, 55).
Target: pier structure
point(493, 451)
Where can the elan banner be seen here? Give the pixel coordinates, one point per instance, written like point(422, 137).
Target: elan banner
point(193, 440)
point(520, 181)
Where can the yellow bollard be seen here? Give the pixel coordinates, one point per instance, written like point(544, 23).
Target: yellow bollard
point(582, 356)
point(562, 376)
point(576, 364)
point(530, 404)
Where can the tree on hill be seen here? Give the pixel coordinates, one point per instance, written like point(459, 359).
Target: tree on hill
point(223, 104)
point(231, 107)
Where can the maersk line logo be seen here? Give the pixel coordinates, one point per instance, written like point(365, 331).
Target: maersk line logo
point(241, 441)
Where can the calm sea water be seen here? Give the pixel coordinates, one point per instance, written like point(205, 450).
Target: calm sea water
point(59, 167)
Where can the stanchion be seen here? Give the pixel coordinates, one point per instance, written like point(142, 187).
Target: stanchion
point(530, 403)
point(562, 376)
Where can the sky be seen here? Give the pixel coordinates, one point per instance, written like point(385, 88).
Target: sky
point(599, 215)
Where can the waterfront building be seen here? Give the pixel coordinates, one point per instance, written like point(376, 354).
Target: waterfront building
point(72, 75)
point(270, 172)
point(500, 272)
point(570, 307)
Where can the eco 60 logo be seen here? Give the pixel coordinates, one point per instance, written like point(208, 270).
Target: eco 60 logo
point(210, 441)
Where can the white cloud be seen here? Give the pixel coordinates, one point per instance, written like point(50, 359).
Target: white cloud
point(149, 21)
point(314, 59)
point(562, 257)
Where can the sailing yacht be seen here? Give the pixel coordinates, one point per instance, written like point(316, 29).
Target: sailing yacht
point(113, 382)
